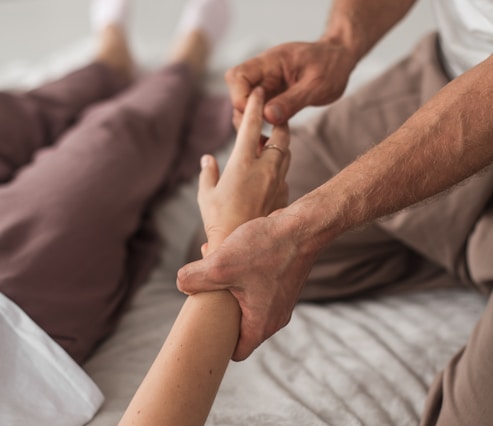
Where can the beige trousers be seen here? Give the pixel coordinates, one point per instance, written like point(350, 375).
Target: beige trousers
point(447, 241)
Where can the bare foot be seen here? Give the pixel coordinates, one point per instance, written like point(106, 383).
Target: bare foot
point(113, 50)
point(202, 25)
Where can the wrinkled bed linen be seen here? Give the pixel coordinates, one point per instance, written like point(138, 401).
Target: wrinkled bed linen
point(41, 384)
point(363, 362)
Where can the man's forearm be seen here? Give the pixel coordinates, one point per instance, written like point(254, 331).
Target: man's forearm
point(444, 142)
point(359, 24)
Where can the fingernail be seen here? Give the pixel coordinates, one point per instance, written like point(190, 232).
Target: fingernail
point(276, 112)
point(204, 161)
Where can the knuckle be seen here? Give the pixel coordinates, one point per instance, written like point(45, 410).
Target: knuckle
point(231, 74)
point(252, 121)
point(269, 175)
point(269, 331)
point(182, 279)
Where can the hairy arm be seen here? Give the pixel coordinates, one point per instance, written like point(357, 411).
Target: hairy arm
point(447, 140)
point(360, 24)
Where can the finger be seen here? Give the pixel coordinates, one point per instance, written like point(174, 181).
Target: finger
point(247, 343)
point(241, 80)
point(276, 149)
point(237, 119)
point(209, 175)
point(203, 249)
point(283, 106)
point(253, 334)
point(282, 197)
point(251, 126)
point(194, 278)
point(283, 171)
point(242, 352)
point(280, 136)
point(261, 143)
point(284, 140)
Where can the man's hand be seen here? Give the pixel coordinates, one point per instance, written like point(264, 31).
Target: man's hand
point(263, 265)
point(293, 75)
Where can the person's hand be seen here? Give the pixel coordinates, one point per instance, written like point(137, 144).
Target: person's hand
point(253, 182)
point(264, 265)
point(293, 75)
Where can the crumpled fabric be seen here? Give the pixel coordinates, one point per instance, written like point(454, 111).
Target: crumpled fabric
point(40, 383)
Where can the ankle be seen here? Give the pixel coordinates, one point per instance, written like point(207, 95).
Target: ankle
point(113, 50)
point(193, 49)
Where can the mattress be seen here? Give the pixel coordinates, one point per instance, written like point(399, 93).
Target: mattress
point(361, 362)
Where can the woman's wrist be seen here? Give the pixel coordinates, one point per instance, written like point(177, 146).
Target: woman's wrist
point(214, 240)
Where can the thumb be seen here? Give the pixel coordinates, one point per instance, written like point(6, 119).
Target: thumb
point(282, 107)
point(209, 175)
point(203, 249)
point(193, 278)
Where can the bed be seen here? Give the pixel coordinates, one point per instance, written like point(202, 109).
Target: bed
point(362, 362)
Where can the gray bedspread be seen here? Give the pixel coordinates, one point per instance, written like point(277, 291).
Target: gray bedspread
point(364, 362)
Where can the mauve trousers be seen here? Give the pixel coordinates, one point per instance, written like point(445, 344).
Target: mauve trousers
point(82, 160)
point(447, 241)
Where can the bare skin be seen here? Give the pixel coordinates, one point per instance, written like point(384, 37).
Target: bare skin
point(114, 51)
point(265, 262)
point(295, 75)
point(181, 385)
point(192, 48)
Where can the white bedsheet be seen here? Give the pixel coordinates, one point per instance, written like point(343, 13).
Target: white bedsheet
point(41, 384)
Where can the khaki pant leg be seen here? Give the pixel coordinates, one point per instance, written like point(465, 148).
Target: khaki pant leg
point(461, 394)
point(374, 258)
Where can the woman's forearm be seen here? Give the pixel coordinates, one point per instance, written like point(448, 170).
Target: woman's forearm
point(444, 142)
point(359, 24)
point(181, 384)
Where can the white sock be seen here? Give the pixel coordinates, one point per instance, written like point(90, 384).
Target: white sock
point(210, 16)
point(109, 12)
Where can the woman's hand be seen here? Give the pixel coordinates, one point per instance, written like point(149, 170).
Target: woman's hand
point(253, 182)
